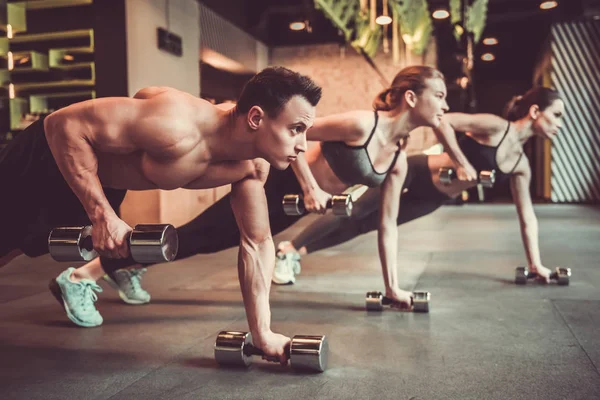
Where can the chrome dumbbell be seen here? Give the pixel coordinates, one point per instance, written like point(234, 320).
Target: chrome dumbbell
point(560, 275)
point(305, 352)
point(147, 243)
point(376, 300)
point(486, 178)
point(340, 204)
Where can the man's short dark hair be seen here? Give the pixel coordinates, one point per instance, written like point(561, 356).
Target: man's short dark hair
point(273, 87)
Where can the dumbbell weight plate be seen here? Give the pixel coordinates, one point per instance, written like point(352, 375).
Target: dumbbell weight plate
point(154, 243)
point(487, 178)
point(421, 301)
point(562, 276)
point(293, 205)
point(341, 205)
point(374, 301)
point(72, 243)
point(229, 348)
point(521, 275)
point(446, 175)
point(309, 353)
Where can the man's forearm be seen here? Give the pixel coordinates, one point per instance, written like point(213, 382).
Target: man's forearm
point(78, 164)
point(255, 269)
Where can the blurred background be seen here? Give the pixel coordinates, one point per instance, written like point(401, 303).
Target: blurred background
point(56, 52)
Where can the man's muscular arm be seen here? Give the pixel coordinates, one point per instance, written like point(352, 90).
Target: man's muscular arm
point(72, 134)
point(256, 259)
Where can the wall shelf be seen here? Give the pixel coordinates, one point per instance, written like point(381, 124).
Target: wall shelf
point(3, 46)
point(31, 61)
point(49, 70)
point(55, 84)
point(70, 58)
point(43, 4)
point(39, 37)
point(39, 103)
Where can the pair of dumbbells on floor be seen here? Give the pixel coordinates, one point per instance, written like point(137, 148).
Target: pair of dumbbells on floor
point(486, 178)
point(148, 243)
point(560, 275)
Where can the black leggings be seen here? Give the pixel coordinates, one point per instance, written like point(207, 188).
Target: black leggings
point(421, 198)
point(216, 228)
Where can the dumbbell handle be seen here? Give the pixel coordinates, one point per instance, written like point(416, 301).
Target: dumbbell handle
point(328, 205)
point(455, 176)
point(386, 301)
point(88, 244)
point(553, 275)
point(251, 350)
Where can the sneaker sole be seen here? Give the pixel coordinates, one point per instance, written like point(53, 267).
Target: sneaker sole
point(122, 294)
point(57, 293)
point(283, 283)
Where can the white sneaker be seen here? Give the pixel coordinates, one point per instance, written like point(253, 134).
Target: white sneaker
point(128, 284)
point(287, 266)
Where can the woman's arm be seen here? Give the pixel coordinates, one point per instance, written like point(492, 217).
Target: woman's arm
point(344, 127)
point(519, 185)
point(478, 124)
point(388, 231)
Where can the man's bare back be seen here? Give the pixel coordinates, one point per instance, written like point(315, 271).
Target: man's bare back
point(157, 140)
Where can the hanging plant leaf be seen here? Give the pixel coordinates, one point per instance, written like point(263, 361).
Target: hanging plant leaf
point(476, 18)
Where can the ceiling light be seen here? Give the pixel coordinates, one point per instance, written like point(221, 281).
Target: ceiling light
point(297, 25)
point(547, 5)
point(490, 41)
point(384, 20)
point(440, 14)
point(488, 57)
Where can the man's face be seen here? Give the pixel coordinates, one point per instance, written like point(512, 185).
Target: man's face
point(282, 138)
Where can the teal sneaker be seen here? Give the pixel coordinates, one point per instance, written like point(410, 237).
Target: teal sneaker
point(128, 282)
point(77, 298)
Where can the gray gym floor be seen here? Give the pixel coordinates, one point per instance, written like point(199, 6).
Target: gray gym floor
point(484, 338)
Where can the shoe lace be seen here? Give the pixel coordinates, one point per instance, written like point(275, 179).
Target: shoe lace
point(135, 279)
point(89, 294)
point(288, 263)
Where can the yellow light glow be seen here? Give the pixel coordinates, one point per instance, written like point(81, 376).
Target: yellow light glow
point(490, 41)
point(11, 61)
point(440, 14)
point(488, 57)
point(297, 26)
point(384, 20)
point(547, 5)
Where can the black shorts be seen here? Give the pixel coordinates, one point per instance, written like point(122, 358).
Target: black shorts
point(34, 196)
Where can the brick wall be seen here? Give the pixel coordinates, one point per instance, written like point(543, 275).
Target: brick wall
point(348, 81)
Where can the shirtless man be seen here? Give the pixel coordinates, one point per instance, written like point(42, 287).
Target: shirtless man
point(74, 167)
